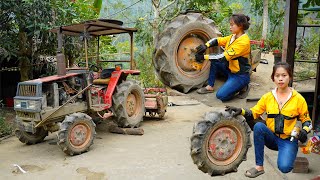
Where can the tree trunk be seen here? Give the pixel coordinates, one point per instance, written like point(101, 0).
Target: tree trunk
point(156, 8)
point(265, 20)
point(24, 63)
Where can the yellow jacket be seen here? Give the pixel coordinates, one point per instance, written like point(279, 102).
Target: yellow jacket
point(282, 121)
point(237, 53)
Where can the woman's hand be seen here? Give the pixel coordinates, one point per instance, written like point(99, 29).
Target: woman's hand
point(201, 49)
point(199, 58)
point(237, 111)
point(303, 136)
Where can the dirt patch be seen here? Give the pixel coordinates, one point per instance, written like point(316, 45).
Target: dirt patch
point(90, 175)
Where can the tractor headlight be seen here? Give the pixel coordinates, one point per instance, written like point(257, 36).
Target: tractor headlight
point(27, 104)
point(17, 103)
point(34, 105)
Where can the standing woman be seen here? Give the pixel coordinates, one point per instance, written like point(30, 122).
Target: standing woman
point(284, 106)
point(233, 62)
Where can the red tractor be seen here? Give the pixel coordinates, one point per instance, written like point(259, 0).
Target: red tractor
point(69, 101)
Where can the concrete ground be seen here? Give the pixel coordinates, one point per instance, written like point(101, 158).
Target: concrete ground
point(161, 153)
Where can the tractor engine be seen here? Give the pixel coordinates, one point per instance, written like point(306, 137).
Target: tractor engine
point(35, 100)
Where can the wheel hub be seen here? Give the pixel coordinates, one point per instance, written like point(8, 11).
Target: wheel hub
point(79, 134)
point(186, 52)
point(222, 143)
point(131, 104)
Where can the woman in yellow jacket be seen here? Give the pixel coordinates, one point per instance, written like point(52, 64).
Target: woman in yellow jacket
point(284, 106)
point(233, 62)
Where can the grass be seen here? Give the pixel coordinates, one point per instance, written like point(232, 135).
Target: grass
point(6, 127)
point(304, 71)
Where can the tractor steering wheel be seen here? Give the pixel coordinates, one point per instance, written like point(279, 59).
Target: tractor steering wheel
point(92, 67)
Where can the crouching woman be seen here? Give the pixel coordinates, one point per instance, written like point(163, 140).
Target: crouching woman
point(284, 106)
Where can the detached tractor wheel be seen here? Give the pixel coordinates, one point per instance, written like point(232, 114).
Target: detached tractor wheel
point(30, 138)
point(76, 134)
point(128, 104)
point(174, 51)
point(219, 143)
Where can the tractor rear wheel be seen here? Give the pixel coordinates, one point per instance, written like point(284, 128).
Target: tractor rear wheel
point(30, 138)
point(174, 51)
point(76, 134)
point(128, 104)
point(219, 143)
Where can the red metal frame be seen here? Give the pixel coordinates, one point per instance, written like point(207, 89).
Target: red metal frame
point(260, 43)
point(114, 79)
point(148, 90)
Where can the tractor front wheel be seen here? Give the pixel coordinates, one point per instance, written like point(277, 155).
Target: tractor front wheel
point(30, 138)
point(76, 134)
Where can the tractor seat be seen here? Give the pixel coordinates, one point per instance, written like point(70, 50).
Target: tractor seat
point(101, 81)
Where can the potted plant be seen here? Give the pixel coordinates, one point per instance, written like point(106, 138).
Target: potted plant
point(277, 53)
point(276, 47)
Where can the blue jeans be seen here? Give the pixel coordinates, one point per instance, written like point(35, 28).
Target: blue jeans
point(287, 150)
point(234, 83)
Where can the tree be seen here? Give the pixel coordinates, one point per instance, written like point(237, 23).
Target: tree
point(25, 27)
point(159, 16)
point(272, 32)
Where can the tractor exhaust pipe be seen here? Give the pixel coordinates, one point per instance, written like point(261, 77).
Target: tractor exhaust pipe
point(61, 63)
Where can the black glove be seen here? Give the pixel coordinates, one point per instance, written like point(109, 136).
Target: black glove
point(199, 58)
point(201, 49)
point(303, 136)
point(237, 111)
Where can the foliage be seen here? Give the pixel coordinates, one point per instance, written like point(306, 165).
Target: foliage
point(144, 36)
point(303, 71)
point(97, 5)
point(148, 76)
point(276, 19)
point(25, 26)
point(217, 10)
point(307, 47)
point(311, 3)
point(5, 128)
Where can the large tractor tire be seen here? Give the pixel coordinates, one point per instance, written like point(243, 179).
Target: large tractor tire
point(128, 104)
point(30, 138)
point(174, 51)
point(219, 143)
point(76, 134)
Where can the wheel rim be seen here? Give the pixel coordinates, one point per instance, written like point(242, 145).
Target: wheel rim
point(224, 145)
point(80, 135)
point(185, 53)
point(133, 104)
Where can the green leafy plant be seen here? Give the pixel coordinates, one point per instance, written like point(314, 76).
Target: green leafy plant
point(5, 128)
point(147, 76)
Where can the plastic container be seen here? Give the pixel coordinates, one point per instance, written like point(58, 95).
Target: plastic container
point(9, 102)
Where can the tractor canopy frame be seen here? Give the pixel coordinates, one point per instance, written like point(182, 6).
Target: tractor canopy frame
point(95, 28)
